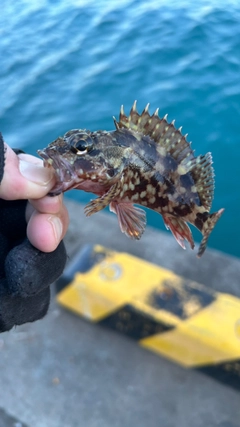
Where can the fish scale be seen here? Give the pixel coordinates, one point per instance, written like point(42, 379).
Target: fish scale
point(146, 161)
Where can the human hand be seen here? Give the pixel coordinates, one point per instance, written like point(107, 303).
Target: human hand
point(26, 178)
point(26, 271)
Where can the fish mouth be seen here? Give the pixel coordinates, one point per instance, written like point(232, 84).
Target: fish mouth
point(65, 173)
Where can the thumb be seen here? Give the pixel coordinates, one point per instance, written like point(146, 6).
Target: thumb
point(24, 177)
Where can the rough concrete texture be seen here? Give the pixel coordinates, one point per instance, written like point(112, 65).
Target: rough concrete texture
point(64, 371)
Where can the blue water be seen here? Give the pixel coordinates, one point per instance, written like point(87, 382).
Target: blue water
point(71, 64)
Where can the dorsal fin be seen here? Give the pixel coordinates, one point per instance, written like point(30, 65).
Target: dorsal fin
point(203, 174)
point(168, 138)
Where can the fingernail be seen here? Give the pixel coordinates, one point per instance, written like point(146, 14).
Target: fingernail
point(35, 173)
point(57, 227)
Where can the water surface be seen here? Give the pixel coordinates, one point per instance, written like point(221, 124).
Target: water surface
point(71, 64)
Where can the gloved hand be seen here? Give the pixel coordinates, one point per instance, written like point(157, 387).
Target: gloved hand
point(25, 271)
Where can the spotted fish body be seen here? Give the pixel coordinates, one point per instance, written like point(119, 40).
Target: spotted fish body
point(145, 161)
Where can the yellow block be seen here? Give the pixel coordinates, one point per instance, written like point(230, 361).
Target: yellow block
point(209, 337)
point(202, 326)
point(119, 279)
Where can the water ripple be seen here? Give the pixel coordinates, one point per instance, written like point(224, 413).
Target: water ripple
point(72, 64)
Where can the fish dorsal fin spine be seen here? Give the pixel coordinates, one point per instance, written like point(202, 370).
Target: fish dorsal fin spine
point(168, 138)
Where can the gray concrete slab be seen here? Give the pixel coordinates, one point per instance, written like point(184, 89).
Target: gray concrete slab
point(64, 371)
point(7, 420)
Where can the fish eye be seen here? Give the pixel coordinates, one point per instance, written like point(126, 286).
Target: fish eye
point(80, 143)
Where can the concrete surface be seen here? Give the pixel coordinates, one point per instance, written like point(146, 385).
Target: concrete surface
point(63, 371)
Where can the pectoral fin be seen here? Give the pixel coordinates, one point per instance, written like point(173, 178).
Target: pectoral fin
point(132, 220)
point(179, 229)
point(102, 202)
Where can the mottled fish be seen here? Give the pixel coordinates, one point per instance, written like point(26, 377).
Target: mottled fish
point(145, 161)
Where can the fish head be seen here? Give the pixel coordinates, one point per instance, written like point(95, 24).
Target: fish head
point(91, 161)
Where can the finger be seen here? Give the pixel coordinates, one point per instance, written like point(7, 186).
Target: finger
point(25, 177)
point(51, 205)
point(45, 231)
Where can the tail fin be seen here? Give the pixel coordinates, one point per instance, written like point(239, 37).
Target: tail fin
point(208, 226)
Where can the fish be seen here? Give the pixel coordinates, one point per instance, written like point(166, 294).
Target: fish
point(145, 161)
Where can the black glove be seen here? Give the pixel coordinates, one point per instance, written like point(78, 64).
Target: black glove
point(25, 272)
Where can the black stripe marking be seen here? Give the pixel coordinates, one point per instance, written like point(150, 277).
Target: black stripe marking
point(227, 373)
point(133, 323)
point(177, 299)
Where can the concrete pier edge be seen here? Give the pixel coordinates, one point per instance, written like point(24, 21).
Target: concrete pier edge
point(64, 371)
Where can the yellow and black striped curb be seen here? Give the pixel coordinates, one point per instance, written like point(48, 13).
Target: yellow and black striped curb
point(179, 319)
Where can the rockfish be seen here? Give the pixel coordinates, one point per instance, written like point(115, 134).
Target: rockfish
point(144, 161)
